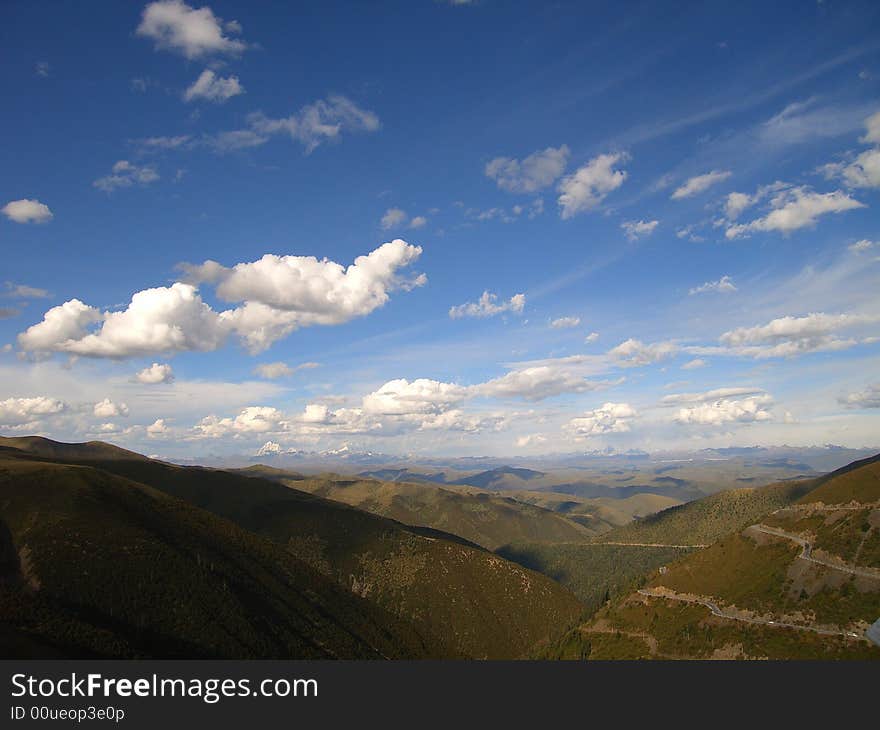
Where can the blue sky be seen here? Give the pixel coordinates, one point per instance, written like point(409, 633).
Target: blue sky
point(587, 225)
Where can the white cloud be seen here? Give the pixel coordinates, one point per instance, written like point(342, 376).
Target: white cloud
point(42, 69)
point(537, 383)
point(251, 420)
point(872, 125)
point(863, 245)
point(108, 409)
point(609, 418)
point(635, 353)
point(796, 208)
point(158, 429)
point(638, 229)
point(535, 172)
point(403, 397)
point(284, 293)
point(565, 323)
point(275, 370)
point(211, 87)
point(321, 121)
point(27, 211)
point(418, 221)
point(699, 183)
point(531, 439)
point(867, 398)
point(487, 306)
point(152, 144)
point(711, 395)
point(195, 33)
point(695, 364)
point(721, 406)
point(124, 174)
point(591, 338)
point(588, 186)
point(862, 172)
point(270, 448)
point(155, 374)
point(805, 121)
point(393, 218)
point(164, 319)
point(789, 336)
point(724, 285)
point(22, 291)
point(22, 411)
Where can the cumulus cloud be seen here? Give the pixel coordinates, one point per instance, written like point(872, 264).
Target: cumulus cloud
point(789, 336)
point(211, 87)
point(27, 211)
point(251, 420)
point(108, 409)
point(588, 186)
point(863, 245)
point(535, 172)
point(565, 323)
point(695, 364)
point(270, 448)
point(284, 293)
point(403, 397)
point(867, 398)
point(393, 218)
point(23, 411)
point(872, 127)
point(724, 285)
point(488, 306)
point(700, 183)
point(864, 170)
point(635, 353)
point(158, 429)
point(795, 208)
point(418, 221)
point(591, 338)
point(537, 383)
point(609, 418)
point(638, 229)
point(721, 406)
point(153, 144)
point(279, 294)
point(22, 291)
point(861, 172)
point(530, 440)
point(321, 121)
point(124, 174)
point(275, 370)
point(194, 33)
point(164, 319)
point(155, 374)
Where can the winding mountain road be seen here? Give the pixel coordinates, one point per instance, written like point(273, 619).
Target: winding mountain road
point(807, 553)
point(720, 612)
point(648, 544)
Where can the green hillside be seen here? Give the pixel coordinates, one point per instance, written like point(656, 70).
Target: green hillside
point(464, 600)
point(594, 573)
point(96, 565)
point(801, 581)
point(485, 519)
point(705, 520)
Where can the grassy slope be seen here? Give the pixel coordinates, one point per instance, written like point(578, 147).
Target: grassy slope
point(761, 574)
point(485, 519)
point(97, 565)
point(705, 520)
point(467, 601)
point(592, 572)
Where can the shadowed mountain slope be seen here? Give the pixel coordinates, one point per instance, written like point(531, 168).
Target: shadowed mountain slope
point(461, 599)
